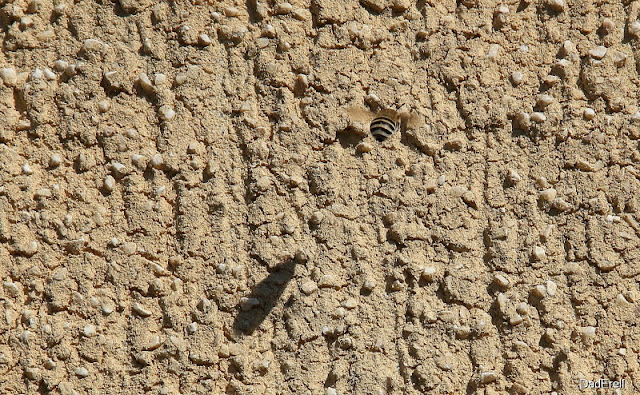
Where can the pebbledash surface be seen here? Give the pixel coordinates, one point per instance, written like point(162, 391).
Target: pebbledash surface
point(186, 208)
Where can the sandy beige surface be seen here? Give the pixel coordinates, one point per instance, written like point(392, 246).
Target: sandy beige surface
point(187, 208)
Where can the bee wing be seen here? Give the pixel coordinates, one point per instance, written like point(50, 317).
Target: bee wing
point(412, 120)
point(359, 114)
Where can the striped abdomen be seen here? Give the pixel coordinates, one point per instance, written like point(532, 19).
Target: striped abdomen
point(382, 127)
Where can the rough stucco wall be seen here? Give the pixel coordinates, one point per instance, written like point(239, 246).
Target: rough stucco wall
point(475, 253)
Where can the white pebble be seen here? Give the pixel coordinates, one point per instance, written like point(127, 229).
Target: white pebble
point(157, 161)
point(309, 287)
point(36, 75)
point(138, 160)
point(204, 39)
point(517, 77)
point(556, 5)
point(181, 78)
point(26, 169)
point(283, 8)
point(118, 169)
point(538, 117)
point(192, 327)
point(231, 11)
point(89, 330)
point(493, 52)
point(141, 310)
point(513, 177)
point(60, 65)
point(81, 372)
point(501, 280)
point(49, 75)
point(145, 83)
point(607, 25)
point(166, 113)
point(634, 28)
point(552, 288)
point(428, 272)
point(55, 160)
point(545, 100)
point(49, 364)
point(540, 291)
point(524, 48)
point(369, 285)
point(350, 303)
point(548, 194)
point(598, 52)
point(109, 183)
point(539, 253)
point(9, 75)
point(488, 377)
point(107, 309)
point(589, 114)
point(104, 106)
point(588, 332)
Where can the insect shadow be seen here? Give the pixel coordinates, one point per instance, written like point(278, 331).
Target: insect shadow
point(268, 292)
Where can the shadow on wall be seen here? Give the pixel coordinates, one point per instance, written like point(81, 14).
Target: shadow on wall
point(267, 292)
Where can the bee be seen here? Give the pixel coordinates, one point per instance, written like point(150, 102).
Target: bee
point(385, 122)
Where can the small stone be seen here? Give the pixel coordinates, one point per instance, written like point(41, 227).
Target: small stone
point(522, 308)
point(160, 79)
point(181, 78)
point(231, 11)
point(350, 303)
point(539, 253)
point(309, 287)
point(501, 280)
point(634, 29)
point(138, 160)
point(607, 25)
point(301, 14)
point(620, 58)
point(539, 291)
point(141, 311)
point(26, 169)
point(369, 285)
point(548, 194)
point(588, 332)
point(192, 327)
point(30, 249)
point(428, 273)
point(363, 147)
point(513, 177)
point(55, 160)
point(552, 288)
point(43, 193)
point(81, 372)
point(157, 162)
point(104, 106)
point(517, 77)
point(488, 377)
point(560, 204)
point(598, 52)
point(9, 76)
point(204, 39)
point(283, 8)
point(494, 50)
point(118, 169)
point(145, 83)
point(589, 114)
point(89, 330)
point(556, 5)
point(538, 117)
point(327, 281)
point(109, 183)
point(516, 319)
point(153, 343)
point(269, 31)
point(49, 364)
point(166, 113)
point(545, 100)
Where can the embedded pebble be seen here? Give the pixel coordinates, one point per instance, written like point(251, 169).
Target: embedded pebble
point(283, 8)
point(589, 114)
point(89, 330)
point(501, 280)
point(26, 169)
point(369, 285)
point(588, 332)
point(350, 303)
point(49, 364)
point(141, 311)
point(231, 11)
point(55, 160)
point(556, 5)
point(166, 113)
point(545, 100)
point(9, 76)
point(157, 162)
point(192, 327)
point(488, 377)
point(428, 273)
point(538, 117)
point(309, 287)
point(104, 105)
point(145, 83)
point(607, 25)
point(118, 169)
point(552, 287)
point(513, 177)
point(548, 194)
point(109, 183)
point(301, 14)
point(539, 253)
point(204, 39)
point(327, 281)
point(493, 52)
point(634, 28)
point(81, 372)
point(517, 77)
point(598, 52)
